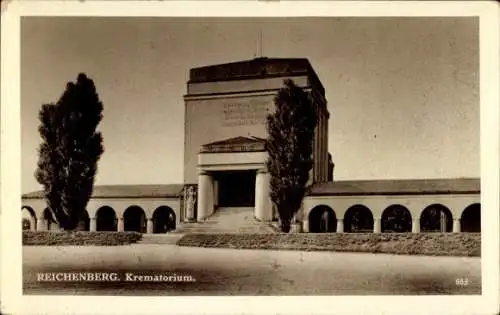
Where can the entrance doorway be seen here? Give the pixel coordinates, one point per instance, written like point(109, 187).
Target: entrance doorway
point(236, 188)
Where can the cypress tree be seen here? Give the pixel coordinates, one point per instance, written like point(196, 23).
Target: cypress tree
point(290, 146)
point(70, 150)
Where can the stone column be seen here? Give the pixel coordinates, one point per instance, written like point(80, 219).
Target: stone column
point(40, 225)
point(216, 193)
point(296, 228)
point(456, 225)
point(340, 226)
point(93, 224)
point(415, 226)
point(32, 223)
point(377, 225)
point(211, 199)
point(263, 207)
point(204, 195)
point(149, 226)
point(121, 225)
point(305, 226)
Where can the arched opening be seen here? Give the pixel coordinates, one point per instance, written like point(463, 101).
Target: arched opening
point(105, 219)
point(358, 219)
point(471, 219)
point(48, 220)
point(322, 219)
point(84, 223)
point(163, 220)
point(436, 218)
point(28, 218)
point(134, 219)
point(396, 219)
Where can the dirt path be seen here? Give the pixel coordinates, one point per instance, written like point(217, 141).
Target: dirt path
point(250, 272)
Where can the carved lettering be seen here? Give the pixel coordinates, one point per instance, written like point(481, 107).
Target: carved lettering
point(244, 114)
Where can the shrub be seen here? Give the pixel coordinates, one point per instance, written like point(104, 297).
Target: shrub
point(80, 238)
point(434, 244)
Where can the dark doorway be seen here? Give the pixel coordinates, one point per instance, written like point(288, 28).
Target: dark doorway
point(163, 220)
point(236, 188)
point(134, 219)
point(396, 219)
point(322, 219)
point(358, 219)
point(106, 219)
point(29, 218)
point(471, 219)
point(436, 218)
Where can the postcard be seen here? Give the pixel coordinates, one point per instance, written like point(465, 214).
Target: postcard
point(249, 157)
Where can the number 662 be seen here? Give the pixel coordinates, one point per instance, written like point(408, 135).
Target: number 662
point(462, 282)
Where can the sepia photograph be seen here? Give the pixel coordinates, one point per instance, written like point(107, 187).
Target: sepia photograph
point(225, 156)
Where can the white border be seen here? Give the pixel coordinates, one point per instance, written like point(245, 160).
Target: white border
point(14, 303)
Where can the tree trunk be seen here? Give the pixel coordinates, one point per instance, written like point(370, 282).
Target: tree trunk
point(285, 226)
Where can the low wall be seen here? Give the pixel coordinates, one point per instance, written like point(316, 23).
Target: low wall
point(432, 244)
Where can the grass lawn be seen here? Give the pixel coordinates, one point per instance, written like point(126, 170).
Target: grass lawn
point(80, 238)
point(431, 244)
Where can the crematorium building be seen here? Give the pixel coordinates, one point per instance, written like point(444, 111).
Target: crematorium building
point(226, 184)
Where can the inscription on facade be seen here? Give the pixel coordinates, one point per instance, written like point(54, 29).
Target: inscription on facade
point(244, 113)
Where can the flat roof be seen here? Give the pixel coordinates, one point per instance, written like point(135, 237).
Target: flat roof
point(397, 187)
point(257, 68)
point(336, 188)
point(126, 191)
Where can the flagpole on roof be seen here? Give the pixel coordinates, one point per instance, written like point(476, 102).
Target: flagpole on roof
point(258, 52)
point(260, 42)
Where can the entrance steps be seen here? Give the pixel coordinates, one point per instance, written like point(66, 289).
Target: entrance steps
point(228, 220)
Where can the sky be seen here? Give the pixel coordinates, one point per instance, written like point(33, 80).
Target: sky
point(403, 93)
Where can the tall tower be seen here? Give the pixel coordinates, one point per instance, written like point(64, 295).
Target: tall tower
point(225, 130)
point(232, 100)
